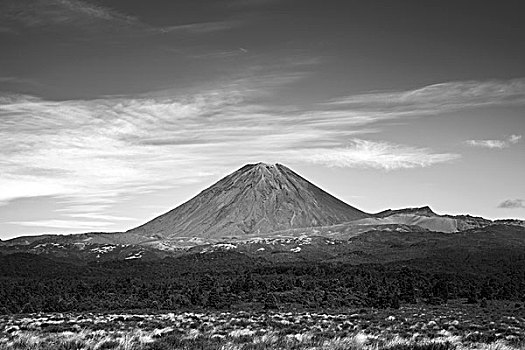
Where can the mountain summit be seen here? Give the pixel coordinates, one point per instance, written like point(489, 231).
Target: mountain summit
point(256, 199)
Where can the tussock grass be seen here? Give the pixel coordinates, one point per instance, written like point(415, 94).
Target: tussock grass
point(138, 340)
point(84, 340)
point(408, 328)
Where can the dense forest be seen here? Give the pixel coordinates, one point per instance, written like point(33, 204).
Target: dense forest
point(228, 280)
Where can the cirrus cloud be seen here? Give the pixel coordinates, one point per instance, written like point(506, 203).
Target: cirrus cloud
point(438, 98)
point(78, 13)
point(89, 17)
point(495, 144)
point(378, 155)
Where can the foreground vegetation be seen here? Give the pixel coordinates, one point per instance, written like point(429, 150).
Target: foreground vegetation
point(139, 340)
point(498, 326)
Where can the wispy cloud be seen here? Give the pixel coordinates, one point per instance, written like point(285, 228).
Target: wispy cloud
point(39, 13)
point(92, 18)
point(202, 27)
point(437, 98)
point(95, 153)
point(495, 144)
point(16, 80)
point(378, 155)
point(512, 204)
point(77, 225)
point(106, 146)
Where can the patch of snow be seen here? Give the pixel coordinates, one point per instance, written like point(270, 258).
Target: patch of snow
point(104, 249)
point(80, 245)
point(135, 256)
point(226, 246)
point(44, 245)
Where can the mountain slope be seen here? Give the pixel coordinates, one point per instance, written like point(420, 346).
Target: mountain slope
point(256, 199)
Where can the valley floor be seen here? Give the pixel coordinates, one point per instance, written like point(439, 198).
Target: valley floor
point(496, 326)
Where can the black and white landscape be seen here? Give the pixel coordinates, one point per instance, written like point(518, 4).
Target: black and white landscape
point(262, 174)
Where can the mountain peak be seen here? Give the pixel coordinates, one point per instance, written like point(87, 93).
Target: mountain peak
point(257, 168)
point(265, 165)
point(261, 167)
point(257, 198)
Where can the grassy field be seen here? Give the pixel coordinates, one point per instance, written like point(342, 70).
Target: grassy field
point(498, 326)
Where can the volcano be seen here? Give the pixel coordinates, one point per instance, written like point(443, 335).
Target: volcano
point(256, 199)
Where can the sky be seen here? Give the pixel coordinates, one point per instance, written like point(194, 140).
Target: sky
point(115, 111)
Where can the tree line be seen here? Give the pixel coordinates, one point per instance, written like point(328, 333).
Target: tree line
point(224, 280)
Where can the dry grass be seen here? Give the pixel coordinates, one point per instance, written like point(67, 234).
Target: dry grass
point(139, 340)
point(92, 340)
point(410, 328)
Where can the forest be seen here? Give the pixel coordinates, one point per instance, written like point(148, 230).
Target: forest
point(234, 281)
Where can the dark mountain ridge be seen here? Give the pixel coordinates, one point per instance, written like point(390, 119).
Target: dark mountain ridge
point(416, 210)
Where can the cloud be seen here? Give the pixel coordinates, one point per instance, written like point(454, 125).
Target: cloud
point(106, 147)
point(377, 155)
point(111, 218)
point(202, 27)
point(63, 224)
point(57, 14)
point(439, 98)
point(512, 204)
point(40, 13)
point(96, 153)
point(495, 144)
